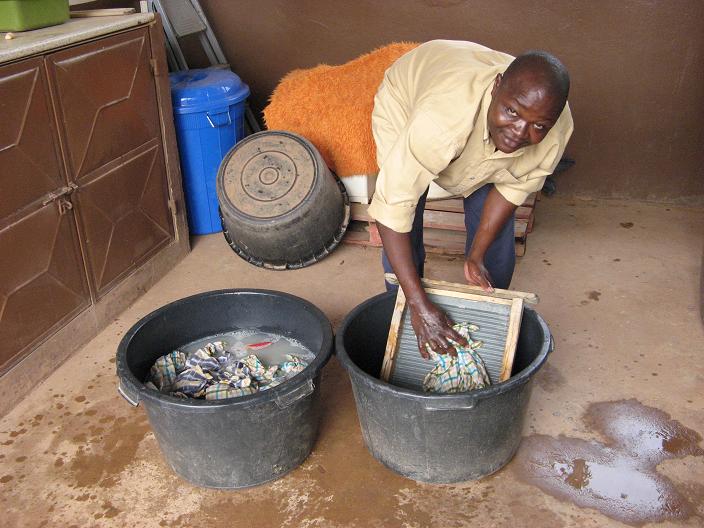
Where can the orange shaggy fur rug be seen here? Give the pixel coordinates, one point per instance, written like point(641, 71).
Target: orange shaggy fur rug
point(331, 106)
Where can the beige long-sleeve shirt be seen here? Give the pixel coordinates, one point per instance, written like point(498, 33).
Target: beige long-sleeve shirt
point(430, 124)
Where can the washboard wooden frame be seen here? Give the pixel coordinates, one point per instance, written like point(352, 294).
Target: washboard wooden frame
point(509, 303)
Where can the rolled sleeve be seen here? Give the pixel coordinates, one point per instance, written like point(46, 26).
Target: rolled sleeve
point(516, 190)
point(416, 156)
point(396, 217)
point(517, 194)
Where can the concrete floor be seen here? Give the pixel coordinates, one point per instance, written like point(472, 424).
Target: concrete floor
point(612, 433)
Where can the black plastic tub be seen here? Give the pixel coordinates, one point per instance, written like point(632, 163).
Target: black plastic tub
point(281, 206)
point(441, 438)
point(238, 442)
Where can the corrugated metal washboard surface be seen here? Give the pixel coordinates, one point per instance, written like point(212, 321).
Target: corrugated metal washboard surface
point(491, 318)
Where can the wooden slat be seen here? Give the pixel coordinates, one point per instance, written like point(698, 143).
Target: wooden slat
point(443, 232)
point(530, 201)
point(467, 296)
point(531, 221)
point(392, 341)
point(359, 212)
point(473, 291)
point(456, 205)
point(433, 219)
point(514, 327)
point(374, 236)
point(452, 205)
point(524, 212)
point(455, 222)
point(437, 241)
point(356, 237)
point(443, 241)
point(443, 220)
point(363, 234)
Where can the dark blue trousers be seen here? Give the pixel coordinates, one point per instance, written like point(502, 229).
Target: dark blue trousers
point(500, 258)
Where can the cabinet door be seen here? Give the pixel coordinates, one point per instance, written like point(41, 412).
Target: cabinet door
point(42, 277)
point(29, 159)
point(105, 98)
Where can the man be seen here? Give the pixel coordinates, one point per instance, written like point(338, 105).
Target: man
point(480, 124)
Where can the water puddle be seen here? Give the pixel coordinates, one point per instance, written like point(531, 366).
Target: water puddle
point(619, 478)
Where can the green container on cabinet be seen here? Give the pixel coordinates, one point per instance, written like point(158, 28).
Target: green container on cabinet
point(21, 15)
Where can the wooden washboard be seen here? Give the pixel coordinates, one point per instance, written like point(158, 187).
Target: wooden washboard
point(497, 314)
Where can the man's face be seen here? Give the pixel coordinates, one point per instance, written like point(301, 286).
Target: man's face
point(521, 113)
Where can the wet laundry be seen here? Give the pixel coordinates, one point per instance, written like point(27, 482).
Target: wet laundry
point(461, 373)
point(212, 372)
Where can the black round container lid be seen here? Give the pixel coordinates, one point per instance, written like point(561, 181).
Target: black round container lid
point(269, 177)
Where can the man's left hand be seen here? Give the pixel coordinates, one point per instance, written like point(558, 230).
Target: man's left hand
point(477, 274)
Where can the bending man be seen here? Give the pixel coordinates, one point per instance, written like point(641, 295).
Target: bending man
point(481, 125)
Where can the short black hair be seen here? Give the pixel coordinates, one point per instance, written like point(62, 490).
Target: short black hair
point(546, 67)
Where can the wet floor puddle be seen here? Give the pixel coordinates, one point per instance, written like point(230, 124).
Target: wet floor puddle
point(619, 478)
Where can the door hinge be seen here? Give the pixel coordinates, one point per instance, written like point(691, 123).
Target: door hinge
point(61, 196)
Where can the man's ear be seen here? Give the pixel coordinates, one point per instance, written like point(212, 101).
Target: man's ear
point(497, 83)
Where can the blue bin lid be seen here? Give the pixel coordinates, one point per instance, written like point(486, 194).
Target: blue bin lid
point(205, 89)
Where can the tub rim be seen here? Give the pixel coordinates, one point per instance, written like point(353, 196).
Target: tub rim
point(285, 394)
point(439, 401)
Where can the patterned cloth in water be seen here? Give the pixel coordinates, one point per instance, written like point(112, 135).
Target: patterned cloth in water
point(213, 373)
point(461, 373)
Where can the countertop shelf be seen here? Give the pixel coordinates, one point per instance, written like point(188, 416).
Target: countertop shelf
point(28, 43)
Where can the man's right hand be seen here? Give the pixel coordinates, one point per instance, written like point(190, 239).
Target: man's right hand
point(433, 327)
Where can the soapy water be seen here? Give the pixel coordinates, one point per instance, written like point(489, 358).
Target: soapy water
point(270, 348)
point(231, 364)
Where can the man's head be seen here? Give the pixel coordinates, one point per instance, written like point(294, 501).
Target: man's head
point(527, 100)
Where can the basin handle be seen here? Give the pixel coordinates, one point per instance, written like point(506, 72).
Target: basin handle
point(132, 396)
point(296, 394)
point(449, 404)
point(551, 347)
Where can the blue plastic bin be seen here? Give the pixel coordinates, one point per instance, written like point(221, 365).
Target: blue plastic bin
point(209, 106)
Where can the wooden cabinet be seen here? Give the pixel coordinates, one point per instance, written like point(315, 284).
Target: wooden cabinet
point(89, 193)
point(109, 126)
point(42, 278)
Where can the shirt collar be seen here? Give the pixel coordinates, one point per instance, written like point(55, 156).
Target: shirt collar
point(490, 149)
